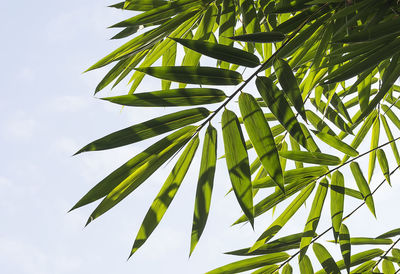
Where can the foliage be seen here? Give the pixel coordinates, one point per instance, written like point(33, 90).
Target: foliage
point(325, 73)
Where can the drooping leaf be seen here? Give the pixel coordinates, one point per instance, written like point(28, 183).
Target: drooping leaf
point(337, 201)
point(325, 258)
point(221, 52)
point(305, 265)
point(311, 157)
point(238, 162)
point(170, 98)
point(363, 186)
point(336, 143)
point(166, 195)
point(147, 129)
point(284, 217)
point(261, 137)
point(168, 59)
point(388, 267)
point(126, 178)
point(252, 263)
point(391, 139)
point(287, 269)
point(313, 217)
point(278, 105)
point(318, 123)
point(195, 75)
point(289, 84)
point(204, 185)
point(345, 245)
point(374, 145)
point(383, 162)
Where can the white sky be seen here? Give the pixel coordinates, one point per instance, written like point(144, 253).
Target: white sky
point(48, 113)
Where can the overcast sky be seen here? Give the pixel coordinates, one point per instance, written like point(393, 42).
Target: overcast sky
point(49, 112)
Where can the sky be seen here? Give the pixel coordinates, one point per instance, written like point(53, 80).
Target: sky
point(49, 112)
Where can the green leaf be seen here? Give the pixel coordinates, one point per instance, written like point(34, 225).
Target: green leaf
point(195, 75)
point(133, 173)
point(276, 226)
point(311, 157)
point(289, 84)
point(260, 37)
point(268, 269)
point(281, 244)
point(204, 185)
point(139, 5)
point(157, 153)
point(318, 123)
point(361, 257)
point(278, 105)
point(369, 241)
point(345, 245)
point(391, 139)
point(326, 260)
point(170, 98)
point(374, 145)
point(166, 195)
point(365, 267)
point(305, 265)
point(159, 13)
point(221, 52)
point(363, 186)
point(252, 263)
point(336, 143)
point(287, 269)
point(388, 267)
point(148, 129)
point(293, 176)
point(313, 217)
point(383, 162)
point(337, 201)
point(261, 137)
point(389, 234)
point(238, 162)
point(168, 59)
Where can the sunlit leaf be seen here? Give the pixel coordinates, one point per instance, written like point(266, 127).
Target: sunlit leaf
point(326, 260)
point(363, 186)
point(337, 201)
point(311, 157)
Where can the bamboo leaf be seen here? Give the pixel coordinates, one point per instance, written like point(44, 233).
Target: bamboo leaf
point(170, 98)
point(278, 105)
point(147, 129)
point(283, 218)
point(326, 260)
point(363, 186)
point(374, 145)
point(139, 5)
point(391, 139)
point(252, 263)
point(204, 185)
point(313, 217)
point(383, 162)
point(260, 37)
point(365, 267)
point(388, 267)
point(389, 234)
point(168, 59)
point(287, 269)
point(305, 265)
point(336, 143)
point(337, 201)
point(195, 75)
point(369, 241)
point(238, 163)
point(345, 245)
point(133, 173)
point(289, 84)
point(311, 157)
point(166, 195)
point(261, 137)
point(221, 52)
point(318, 123)
point(125, 176)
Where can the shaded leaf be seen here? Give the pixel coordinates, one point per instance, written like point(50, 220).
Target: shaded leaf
point(260, 37)
point(311, 157)
point(363, 186)
point(336, 143)
point(345, 245)
point(305, 265)
point(383, 162)
point(337, 201)
point(326, 260)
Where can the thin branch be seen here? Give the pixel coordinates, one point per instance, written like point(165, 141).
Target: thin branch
point(387, 251)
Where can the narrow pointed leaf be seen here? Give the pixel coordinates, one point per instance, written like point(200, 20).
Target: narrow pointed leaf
point(313, 217)
point(326, 260)
point(276, 226)
point(318, 123)
point(260, 37)
point(278, 105)
point(311, 157)
point(289, 84)
point(345, 245)
point(389, 234)
point(363, 186)
point(204, 185)
point(383, 162)
point(133, 173)
point(391, 139)
point(221, 52)
point(170, 98)
point(336, 143)
point(162, 149)
point(238, 162)
point(287, 269)
point(365, 267)
point(305, 265)
point(166, 195)
point(252, 263)
point(374, 145)
point(337, 201)
point(147, 129)
point(261, 137)
point(195, 75)
point(388, 267)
